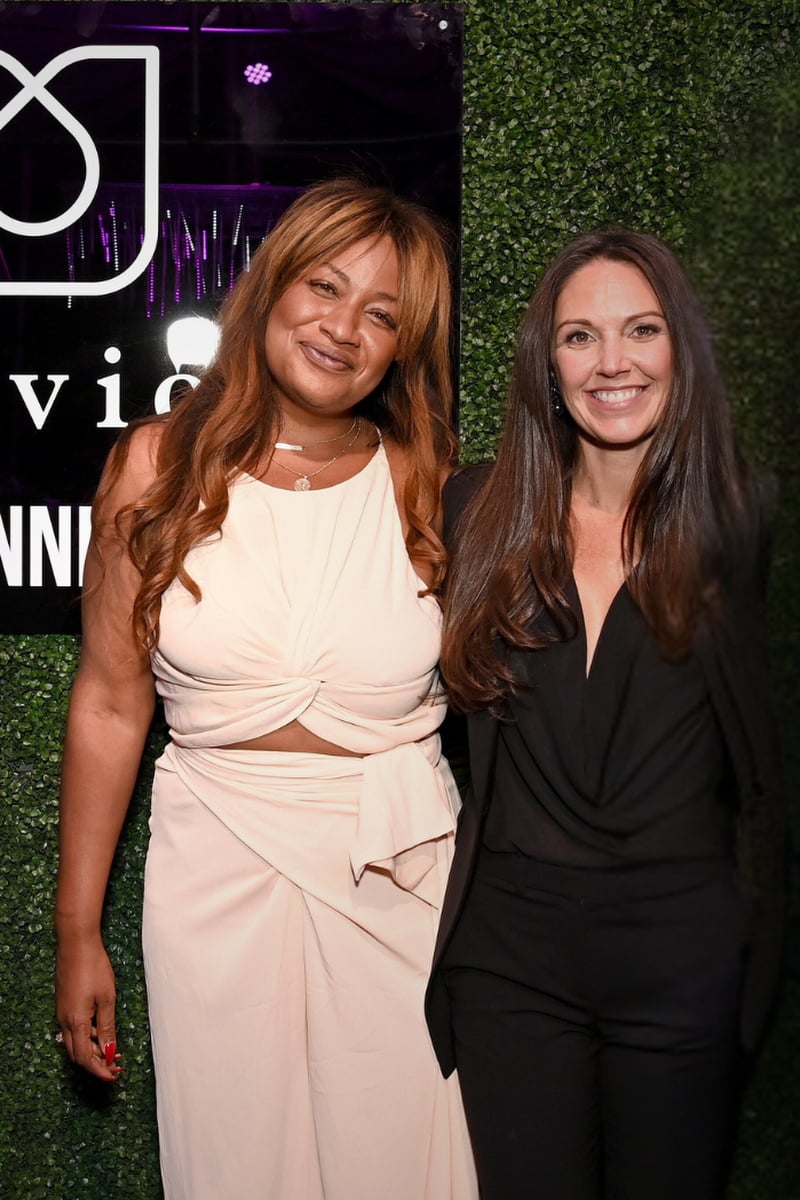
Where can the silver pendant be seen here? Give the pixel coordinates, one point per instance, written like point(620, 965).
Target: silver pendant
point(303, 484)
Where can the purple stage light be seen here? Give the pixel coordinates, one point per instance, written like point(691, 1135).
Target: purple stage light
point(257, 73)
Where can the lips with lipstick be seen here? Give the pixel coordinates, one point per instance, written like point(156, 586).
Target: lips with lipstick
point(326, 357)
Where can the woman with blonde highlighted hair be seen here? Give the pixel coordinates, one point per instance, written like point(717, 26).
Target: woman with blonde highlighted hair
point(264, 559)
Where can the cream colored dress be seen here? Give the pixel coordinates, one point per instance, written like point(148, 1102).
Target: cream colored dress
point(291, 900)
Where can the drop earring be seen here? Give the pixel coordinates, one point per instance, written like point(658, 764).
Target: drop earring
point(556, 399)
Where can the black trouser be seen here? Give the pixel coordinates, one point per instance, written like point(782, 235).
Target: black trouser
point(595, 1020)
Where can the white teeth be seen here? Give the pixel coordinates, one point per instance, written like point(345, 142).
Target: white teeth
point(618, 395)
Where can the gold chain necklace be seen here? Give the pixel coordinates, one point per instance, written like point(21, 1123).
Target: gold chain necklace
point(310, 445)
point(303, 481)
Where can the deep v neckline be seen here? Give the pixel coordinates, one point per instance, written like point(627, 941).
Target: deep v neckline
point(589, 664)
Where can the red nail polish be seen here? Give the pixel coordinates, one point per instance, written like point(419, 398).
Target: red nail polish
point(110, 1050)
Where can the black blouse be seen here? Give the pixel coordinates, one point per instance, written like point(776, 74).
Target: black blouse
point(625, 765)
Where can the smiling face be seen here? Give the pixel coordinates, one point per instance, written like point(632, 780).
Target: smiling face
point(332, 335)
point(612, 353)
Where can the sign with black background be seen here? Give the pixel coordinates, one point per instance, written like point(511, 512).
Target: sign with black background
point(145, 151)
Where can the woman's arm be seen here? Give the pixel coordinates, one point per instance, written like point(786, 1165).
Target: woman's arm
point(110, 711)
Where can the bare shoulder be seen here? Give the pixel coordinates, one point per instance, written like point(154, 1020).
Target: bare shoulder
point(139, 464)
point(399, 466)
point(400, 462)
point(112, 653)
point(131, 468)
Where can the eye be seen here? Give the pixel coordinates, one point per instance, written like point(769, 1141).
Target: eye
point(646, 329)
point(322, 285)
point(383, 318)
point(577, 337)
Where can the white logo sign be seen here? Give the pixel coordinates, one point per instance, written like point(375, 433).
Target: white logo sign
point(34, 87)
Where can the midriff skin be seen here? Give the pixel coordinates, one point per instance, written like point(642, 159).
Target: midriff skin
point(293, 738)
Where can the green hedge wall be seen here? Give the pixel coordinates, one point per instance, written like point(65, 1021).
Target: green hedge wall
point(677, 117)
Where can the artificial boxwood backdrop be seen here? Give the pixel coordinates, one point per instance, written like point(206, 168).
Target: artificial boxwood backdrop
point(677, 116)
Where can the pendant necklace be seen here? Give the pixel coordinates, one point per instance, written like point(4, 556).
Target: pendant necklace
point(303, 481)
point(310, 445)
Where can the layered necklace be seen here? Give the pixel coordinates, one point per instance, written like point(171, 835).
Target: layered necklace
point(310, 445)
point(303, 481)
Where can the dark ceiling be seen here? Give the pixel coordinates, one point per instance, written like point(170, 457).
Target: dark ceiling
point(377, 85)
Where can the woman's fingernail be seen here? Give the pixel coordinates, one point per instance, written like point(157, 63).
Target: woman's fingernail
point(110, 1050)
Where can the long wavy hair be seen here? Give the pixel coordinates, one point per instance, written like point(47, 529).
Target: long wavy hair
point(514, 544)
point(228, 422)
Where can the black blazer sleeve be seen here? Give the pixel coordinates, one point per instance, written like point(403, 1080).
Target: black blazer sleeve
point(460, 488)
point(481, 735)
point(734, 655)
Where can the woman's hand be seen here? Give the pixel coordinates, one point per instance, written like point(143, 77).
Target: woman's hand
point(85, 1005)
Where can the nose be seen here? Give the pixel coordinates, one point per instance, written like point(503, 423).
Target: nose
point(613, 359)
point(340, 322)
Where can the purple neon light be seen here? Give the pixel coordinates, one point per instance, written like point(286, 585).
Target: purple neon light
point(257, 73)
point(114, 234)
point(201, 249)
point(203, 28)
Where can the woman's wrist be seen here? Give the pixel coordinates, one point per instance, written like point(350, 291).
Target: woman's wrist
point(73, 930)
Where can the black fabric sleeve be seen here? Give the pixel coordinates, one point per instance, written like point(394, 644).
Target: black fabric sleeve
point(459, 490)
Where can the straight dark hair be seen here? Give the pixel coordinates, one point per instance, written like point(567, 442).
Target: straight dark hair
point(513, 548)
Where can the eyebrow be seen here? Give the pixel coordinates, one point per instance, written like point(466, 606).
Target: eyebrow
point(346, 279)
point(653, 312)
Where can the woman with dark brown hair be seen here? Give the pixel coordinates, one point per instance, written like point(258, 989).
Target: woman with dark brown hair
point(264, 559)
point(611, 927)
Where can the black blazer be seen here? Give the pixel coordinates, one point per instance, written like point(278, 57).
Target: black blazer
point(733, 658)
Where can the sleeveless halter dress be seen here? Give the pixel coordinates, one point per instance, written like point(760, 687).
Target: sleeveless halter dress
point(291, 900)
